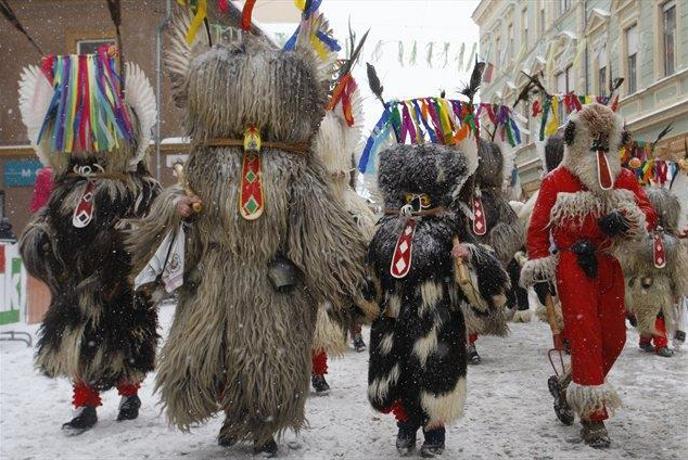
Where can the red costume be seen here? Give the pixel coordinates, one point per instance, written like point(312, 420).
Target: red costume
point(572, 200)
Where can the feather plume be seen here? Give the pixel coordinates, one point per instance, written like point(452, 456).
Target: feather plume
point(35, 94)
point(115, 8)
point(374, 82)
point(6, 11)
point(661, 135)
point(474, 83)
point(141, 98)
point(355, 52)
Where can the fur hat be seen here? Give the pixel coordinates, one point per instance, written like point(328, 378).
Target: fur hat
point(436, 170)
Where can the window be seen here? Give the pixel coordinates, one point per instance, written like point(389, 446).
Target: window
point(564, 80)
point(541, 19)
point(510, 42)
point(669, 36)
point(631, 59)
point(91, 46)
point(564, 6)
point(602, 72)
point(524, 28)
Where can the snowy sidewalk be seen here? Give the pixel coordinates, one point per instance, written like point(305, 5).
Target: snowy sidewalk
point(508, 412)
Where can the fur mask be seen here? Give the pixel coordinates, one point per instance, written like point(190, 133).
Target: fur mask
point(593, 136)
point(249, 82)
point(436, 170)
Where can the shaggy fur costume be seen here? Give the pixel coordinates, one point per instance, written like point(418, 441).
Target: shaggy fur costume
point(237, 344)
point(418, 344)
point(97, 330)
point(589, 279)
point(504, 230)
point(650, 290)
point(335, 145)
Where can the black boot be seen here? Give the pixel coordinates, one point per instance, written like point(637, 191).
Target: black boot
point(434, 443)
point(267, 450)
point(84, 420)
point(359, 344)
point(473, 356)
point(561, 406)
point(320, 384)
point(129, 408)
point(647, 346)
point(406, 438)
point(595, 434)
point(665, 352)
point(225, 440)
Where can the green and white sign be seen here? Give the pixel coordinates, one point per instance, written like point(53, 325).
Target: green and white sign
point(12, 285)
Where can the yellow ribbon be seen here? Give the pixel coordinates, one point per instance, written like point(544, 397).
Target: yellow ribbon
point(197, 21)
point(553, 122)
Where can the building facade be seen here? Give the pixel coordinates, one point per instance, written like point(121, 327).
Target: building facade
point(580, 45)
point(79, 26)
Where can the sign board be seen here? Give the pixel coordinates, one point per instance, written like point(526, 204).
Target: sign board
point(12, 285)
point(21, 173)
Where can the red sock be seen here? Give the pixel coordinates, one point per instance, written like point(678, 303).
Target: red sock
point(398, 410)
point(472, 338)
point(128, 389)
point(320, 363)
point(85, 395)
point(660, 340)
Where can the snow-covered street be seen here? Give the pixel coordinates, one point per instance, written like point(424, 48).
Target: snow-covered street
point(508, 412)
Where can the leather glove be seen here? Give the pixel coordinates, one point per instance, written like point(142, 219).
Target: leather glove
point(613, 224)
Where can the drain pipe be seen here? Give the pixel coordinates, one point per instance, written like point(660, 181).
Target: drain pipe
point(158, 83)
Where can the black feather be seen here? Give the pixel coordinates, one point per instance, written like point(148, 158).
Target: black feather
point(355, 52)
point(6, 11)
point(374, 82)
point(661, 135)
point(474, 83)
point(616, 84)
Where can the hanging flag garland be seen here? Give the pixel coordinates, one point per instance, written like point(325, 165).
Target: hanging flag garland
point(87, 111)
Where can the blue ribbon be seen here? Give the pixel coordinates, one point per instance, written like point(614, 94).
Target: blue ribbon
point(381, 128)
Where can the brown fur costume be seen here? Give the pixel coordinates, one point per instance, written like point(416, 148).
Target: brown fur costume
point(237, 344)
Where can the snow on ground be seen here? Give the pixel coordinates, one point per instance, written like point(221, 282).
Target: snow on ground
point(508, 412)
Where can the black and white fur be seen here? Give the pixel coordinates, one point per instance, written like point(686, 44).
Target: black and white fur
point(418, 344)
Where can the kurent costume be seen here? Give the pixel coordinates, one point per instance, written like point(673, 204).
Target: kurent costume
point(489, 218)
point(656, 275)
point(417, 367)
point(94, 133)
point(272, 241)
point(338, 139)
point(589, 207)
point(492, 222)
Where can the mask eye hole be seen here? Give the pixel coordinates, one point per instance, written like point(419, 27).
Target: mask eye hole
point(408, 197)
point(424, 200)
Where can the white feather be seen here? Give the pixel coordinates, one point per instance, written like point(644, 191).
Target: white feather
point(35, 94)
point(141, 99)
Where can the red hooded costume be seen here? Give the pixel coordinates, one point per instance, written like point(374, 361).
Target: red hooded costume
point(586, 209)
